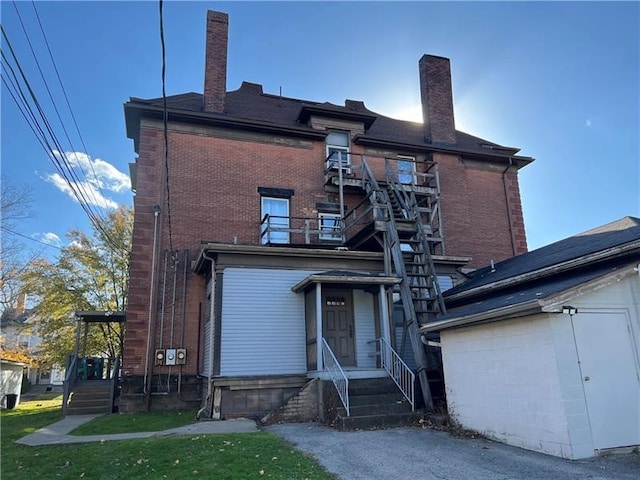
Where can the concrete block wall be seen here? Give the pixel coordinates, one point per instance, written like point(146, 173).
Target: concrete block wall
point(502, 380)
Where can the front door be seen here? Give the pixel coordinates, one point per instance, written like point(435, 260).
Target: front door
point(338, 325)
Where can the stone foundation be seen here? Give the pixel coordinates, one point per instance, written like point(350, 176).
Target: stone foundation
point(163, 396)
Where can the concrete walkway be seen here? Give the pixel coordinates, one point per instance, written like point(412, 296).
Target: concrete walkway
point(58, 433)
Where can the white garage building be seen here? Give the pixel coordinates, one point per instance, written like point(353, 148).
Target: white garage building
point(541, 351)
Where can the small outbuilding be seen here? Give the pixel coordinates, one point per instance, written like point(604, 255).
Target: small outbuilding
point(10, 383)
point(541, 351)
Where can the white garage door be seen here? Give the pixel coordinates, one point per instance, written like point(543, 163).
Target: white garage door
point(610, 377)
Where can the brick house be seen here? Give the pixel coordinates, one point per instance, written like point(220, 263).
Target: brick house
point(277, 234)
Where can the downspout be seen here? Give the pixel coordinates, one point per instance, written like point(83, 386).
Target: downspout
point(184, 312)
point(506, 197)
point(211, 336)
point(147, 366)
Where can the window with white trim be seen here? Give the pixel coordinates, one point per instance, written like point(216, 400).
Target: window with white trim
point(406, 168)
point(329, 225)
point(338, 150)
point(274, 215)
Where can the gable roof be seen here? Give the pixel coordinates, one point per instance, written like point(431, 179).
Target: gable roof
point(530, 282)
point(249, 106)
point(622, 234)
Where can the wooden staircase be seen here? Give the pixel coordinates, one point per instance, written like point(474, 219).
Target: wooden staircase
point(90, 396)
point(415, 217)
point(375, 403)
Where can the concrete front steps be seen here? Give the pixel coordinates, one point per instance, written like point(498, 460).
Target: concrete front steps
point(375, 403)
point(90, 396)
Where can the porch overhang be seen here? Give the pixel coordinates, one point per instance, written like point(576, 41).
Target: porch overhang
point(345, 278)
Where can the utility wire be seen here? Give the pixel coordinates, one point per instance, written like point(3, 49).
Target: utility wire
point(64, 92)
point(8, 230)
point(53, 103)
point(165, 124)
point(62, 166)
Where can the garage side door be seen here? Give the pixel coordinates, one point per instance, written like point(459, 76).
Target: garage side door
point(609, 368)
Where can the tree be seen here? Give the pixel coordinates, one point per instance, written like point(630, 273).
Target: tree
point(92, 273)
point(14, 206)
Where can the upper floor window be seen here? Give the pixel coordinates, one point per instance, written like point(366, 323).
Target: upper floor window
point(274, 215)
point(406, 168)
point(338, 150)
point(330, 225)
point(445, 282)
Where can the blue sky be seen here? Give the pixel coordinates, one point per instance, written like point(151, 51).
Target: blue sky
point(558, 80)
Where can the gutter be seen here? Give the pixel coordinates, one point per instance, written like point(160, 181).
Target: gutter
point(519, 161)
point(495, 315)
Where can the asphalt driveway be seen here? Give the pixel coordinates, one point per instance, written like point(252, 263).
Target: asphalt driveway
point(424, 454)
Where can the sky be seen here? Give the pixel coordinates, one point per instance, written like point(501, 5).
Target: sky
point(558, 80)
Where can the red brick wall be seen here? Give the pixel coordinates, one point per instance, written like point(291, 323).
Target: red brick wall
point(475, 214)
point(213, 191)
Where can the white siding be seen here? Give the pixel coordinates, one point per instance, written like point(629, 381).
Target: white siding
point(208, 346)
point(263, 325)
point(365, 329)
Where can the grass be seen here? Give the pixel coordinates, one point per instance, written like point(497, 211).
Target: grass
point(135, 422)
point(222, 456)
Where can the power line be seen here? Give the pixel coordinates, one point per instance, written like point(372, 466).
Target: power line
point(61, 164)
point(53, 103)
point(64, 92)
point(8, 230)
point(165, 125)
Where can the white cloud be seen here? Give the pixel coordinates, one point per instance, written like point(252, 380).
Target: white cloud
point(85, 190)
point(96, 176)
point(49, 238)
point(587, 122)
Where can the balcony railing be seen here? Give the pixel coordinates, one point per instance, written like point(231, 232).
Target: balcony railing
point(406, 173)
point(300, 230)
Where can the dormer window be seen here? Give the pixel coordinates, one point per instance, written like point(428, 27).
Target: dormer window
point(338, 150)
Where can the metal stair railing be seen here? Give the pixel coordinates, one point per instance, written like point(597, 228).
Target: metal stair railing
point(401, 374)
point(115, 380)
point(69, 381)
point(338, 377)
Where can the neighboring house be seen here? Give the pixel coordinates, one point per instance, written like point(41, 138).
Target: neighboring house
point(272, 223)
point(542, 350)
point(18, 330)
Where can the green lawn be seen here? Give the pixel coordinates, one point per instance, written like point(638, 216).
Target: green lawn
point(136, 422)
point(222, 456)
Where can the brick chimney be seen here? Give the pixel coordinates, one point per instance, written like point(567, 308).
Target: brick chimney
point(437, 99)
point(215, 71)
point(20, 303)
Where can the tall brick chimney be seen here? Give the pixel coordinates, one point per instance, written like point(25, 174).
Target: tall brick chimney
point(437, 99)
point(20, 303)
point(215, 70)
